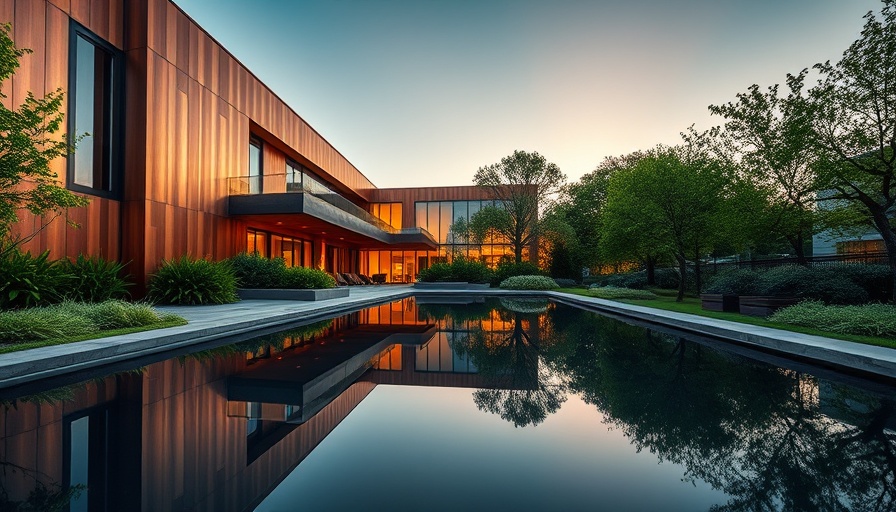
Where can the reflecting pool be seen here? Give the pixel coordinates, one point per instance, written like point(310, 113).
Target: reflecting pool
point(498, 404)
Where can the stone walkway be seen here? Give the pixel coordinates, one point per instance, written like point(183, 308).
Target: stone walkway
point(207, 323)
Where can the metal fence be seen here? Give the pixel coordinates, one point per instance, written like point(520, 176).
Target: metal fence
point(814, 261)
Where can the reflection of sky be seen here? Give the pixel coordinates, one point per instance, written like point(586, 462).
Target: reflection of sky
point(407, 448)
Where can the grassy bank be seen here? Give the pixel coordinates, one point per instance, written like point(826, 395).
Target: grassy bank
point(691, 305)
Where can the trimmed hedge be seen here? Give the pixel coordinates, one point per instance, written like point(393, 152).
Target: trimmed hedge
point(839, 284)
point(737, 281)
point(529, 283)
point(614, 293)
point(509, 268)
point(191, 282)
point(868, 319)
point(459, 270)
point(563, 282)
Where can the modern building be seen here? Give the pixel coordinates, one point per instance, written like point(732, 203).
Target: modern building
point(190, 153)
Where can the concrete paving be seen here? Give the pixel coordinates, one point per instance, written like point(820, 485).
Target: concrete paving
point(207, 323)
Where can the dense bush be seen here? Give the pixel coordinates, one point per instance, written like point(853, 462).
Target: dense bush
point(529, 283)
point(255, 271)
point(93, 279)
point(509, 268)
point(189, 281)
point(305, 278)
point(459, 270)
point(28, 281)
point(876, 280)
point(71, 319)
point(821, 283)
point(565, 283)
point(869, 319)
point(666, 278)
point(614, 293)
point(737, 281)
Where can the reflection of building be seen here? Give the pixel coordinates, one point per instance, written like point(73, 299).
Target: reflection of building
point(219, 433)
point(189, 153)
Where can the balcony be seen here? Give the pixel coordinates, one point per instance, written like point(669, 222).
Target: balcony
point(269, 201)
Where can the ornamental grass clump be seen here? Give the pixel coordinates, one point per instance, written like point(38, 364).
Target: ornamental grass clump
point(188, 281)
point(868, 319)
point(614, 293)
point(41, 324)
point(115, 314)
point(93, 279)
point(305, 278)
point(529, 283)
point(256, 271)
point(460, 270)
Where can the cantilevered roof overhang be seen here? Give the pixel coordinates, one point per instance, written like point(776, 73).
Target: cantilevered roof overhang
point(305, 214)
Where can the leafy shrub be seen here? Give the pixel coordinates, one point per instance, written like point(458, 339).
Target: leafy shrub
point(255, 271)
point(93, 279)
point(824, 284)
point(634, 280)
point(737, 281)
point(614, 293)
point(868, 319)
point(305, 278)
point(42, 323)
point(509, 268)
point(459, 270)
point(565, 283)
point(435, 273)
point(876, 280)
point(28, 281)
point(525, 306)
point(189, 281)
point(528, 283)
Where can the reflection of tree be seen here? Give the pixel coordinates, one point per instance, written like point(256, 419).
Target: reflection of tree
point(525, 392)
point(771, 439)
point(41, 498)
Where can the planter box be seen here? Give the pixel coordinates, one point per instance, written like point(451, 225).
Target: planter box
point(759, 305)
point(451, 286)
point(720, 302)
point(290, 294)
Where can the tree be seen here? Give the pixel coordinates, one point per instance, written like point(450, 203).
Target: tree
point(766, 135)
point(671, 200)
point(854, 125)
point(522, 184)
point(28, 144)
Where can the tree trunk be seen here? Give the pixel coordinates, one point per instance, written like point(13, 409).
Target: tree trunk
point(799, 250)
point(518, 252)
point(683, 270)
point(882, 223)
point(650, 263)
point(698, 280)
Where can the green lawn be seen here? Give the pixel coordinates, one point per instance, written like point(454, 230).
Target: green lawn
point(13, 347)
point(691, 305)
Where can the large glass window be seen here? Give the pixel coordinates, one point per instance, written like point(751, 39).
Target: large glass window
point(95, 100)
point(390, 213)
point(437, 217)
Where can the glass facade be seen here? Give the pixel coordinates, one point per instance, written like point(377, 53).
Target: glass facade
point(294, 251)
point(437, 217)
point(390, 213)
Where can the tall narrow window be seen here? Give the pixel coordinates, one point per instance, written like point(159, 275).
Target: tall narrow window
point(95, 97)
point(255, 170)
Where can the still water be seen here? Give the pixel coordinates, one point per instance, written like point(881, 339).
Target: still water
point(495, 405)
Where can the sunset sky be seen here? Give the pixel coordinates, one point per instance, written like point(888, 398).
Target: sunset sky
point(422, 93)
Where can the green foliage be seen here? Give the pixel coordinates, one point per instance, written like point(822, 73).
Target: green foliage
point(802, 282)
point(529, 283)
point(508, 268)
point(256, 271)
point(521, 183)
point(565, 283)
point(435, 273)
point(459, 270)
point(614, 293)
point(874, 279)
point(29, 142)
point(738, 281)
point(42, 323)
point(193, 281)
point(305, 278)
point(72, 319)
point(666, 278)
point(28, 281)
point(868, 320)
point(93, 279)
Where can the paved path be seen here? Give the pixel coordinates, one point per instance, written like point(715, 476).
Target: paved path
point(207, 323)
